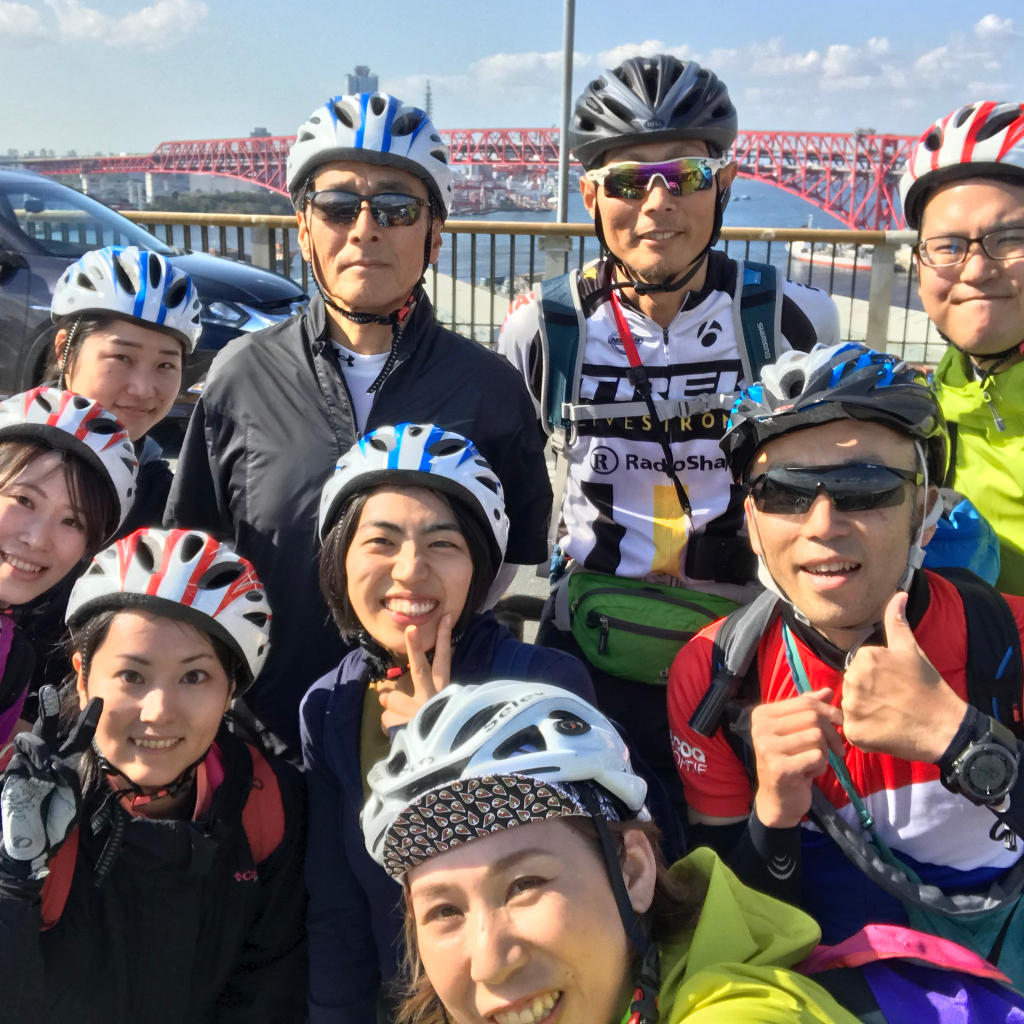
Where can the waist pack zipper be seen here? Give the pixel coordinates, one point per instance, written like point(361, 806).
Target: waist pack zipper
point(606, 623)
point(651, 595)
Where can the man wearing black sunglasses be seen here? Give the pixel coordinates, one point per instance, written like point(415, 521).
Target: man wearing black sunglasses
point(963, 191)
point(661, 353)
point(369, 177)
point(850, 768)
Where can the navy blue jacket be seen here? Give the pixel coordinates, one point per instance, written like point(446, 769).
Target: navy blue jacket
point(355, 913)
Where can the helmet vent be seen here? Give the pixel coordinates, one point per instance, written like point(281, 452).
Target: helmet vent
point(103, 426)
point(145, 556)
point(997, 123)
point(446, 447)
point(154, 271)
point(650, 76)
point(84, 281)
point(129, 464)
point(80, 402)
point(176, 293)
point(526, 741)
point(44, 402)
point(440, 154)
point(380, 444)
point(490, 484)
point(254, 595)
point(218, 577)
point(378, 104)
point(190, 547)
point(618, 110)
point(428, 719)
point(415, 430)
point(343, 115)
point(963, 115)
point(396, 765)
point(476, 722)
point(686, 104)
point(933, 140)
point(305, 137)
point(256, 618)
point(407, 124)
point(569, 724)
point(123, 279)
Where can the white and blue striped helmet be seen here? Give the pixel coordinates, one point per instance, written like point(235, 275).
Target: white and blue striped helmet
point(372, 128)
point(418, 455)
point(132, 283)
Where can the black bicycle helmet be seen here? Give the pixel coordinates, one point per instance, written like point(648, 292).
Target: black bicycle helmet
point(850, 381)
point(651, 99)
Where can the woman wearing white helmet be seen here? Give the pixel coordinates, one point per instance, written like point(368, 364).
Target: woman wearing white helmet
point(67, 479)
point(534, 891)
point(126, 321)
point(414, 528)
point(141, 838)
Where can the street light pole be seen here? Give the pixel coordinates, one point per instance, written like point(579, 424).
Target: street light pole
point(563, 146)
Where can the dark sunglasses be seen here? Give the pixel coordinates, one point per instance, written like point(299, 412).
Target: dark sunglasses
point(851, 487)
point(388, 209)
point(682, 177)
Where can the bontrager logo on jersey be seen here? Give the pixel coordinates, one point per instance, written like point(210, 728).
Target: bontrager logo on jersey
point(691, 462)
point(689, 758)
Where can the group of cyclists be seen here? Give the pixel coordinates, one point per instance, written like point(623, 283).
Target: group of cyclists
point(746, 665)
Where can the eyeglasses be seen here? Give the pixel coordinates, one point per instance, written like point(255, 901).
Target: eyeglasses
point(682, 177)
point(851, 487)
point(388, 209)
point(952, 250)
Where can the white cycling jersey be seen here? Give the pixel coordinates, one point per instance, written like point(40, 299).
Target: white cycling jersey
point(621, 511)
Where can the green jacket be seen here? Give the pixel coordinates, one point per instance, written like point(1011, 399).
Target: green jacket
point(733, 968)
point(989, 461)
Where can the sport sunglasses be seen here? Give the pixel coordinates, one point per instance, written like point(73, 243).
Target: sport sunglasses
point(851, 487)
point(388, 209)
point(682, 177)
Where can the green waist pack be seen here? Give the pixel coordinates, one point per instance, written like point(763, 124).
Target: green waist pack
point(634, 629)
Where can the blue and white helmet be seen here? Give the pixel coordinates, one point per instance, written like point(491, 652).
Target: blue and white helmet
point(132, 283)
point(372, 128)
point(423, 455)
point(475, 760)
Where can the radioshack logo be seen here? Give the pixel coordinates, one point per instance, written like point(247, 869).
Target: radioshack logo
point(691, 462)
point(689, 758)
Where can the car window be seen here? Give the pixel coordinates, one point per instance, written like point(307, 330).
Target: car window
point(63, 222)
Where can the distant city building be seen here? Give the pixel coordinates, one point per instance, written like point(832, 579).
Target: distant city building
point(361, 80)
point(428, 104)
point(259, 133)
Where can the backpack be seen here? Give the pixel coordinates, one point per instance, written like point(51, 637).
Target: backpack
point(263, 819)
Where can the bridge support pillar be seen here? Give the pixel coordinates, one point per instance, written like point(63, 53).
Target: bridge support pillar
point(883, 272)
point(84, 182)
point(556, 255)
point(149, 188)
point(263, 254)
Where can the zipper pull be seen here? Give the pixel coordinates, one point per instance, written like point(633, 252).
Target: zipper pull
point(602, 644)
point(1000, 424)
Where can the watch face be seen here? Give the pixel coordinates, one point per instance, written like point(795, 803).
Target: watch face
point(989, 772)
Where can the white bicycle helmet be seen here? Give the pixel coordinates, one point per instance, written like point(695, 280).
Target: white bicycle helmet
point(979, 140)
point(373, 128)
point(76, 424)
point(132, 283)
point(478, 759)
point(421, 455)
point(183, 574)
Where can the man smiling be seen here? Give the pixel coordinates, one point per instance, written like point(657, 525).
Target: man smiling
point(859, 775)
point(661, 355)
point(370, 181)
point(963, 191)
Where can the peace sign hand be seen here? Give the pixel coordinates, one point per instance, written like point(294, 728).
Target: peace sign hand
point(40, 800)
point(427, 678)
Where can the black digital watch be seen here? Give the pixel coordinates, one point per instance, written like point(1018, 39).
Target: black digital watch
point(985, 769)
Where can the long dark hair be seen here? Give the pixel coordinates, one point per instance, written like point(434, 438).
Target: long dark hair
point(673, 913)
point(334, 579)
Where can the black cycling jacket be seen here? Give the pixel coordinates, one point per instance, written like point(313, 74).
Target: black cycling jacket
point(273, 419)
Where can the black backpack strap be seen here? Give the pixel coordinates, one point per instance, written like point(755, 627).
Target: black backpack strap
point(757, 315)
point(733, 660)
point(563, 332)
point(995, 672)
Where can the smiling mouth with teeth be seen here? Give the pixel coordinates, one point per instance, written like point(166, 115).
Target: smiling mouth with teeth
point(401, 606)
point(831, 568)
point(21, 566)
point(155, 744)
point(530, 1014)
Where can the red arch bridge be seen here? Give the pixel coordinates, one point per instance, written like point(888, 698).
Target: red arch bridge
point(851, 176)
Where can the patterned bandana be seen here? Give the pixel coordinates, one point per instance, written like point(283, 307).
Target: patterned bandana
point(469, 809)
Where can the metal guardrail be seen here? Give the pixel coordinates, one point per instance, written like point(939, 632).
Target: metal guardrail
point(484, 264)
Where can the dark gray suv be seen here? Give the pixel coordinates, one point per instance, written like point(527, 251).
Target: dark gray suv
point(44, 226)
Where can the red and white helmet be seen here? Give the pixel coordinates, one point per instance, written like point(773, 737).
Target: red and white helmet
point(76, 424)
point(183, 574)
point(983, 139)
point(132, 283)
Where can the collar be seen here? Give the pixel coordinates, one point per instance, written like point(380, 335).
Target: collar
point(716, 279)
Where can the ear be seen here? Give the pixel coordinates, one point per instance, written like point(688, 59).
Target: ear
point(639, 869)
point(727, 175)
point(76, 664)
point(931, 498)
point(300, 217)
point(589, 192)
point(436, 224)
point(754, 535)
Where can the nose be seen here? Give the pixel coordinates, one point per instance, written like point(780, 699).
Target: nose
point(364, 225)
point(496, 952)
point(659, 193)
point(409, 562)
point(37, 531)
point(141, 382)
point(977, 263)
point(157, 705)
point(823, 519)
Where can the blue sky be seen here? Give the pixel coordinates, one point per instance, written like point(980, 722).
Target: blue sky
point(124, 75)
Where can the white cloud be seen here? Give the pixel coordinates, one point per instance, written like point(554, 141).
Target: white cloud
point(993, 27)
point(19, 20)
point(154, 26)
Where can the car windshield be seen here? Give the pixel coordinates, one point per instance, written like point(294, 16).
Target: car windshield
point(63, 222)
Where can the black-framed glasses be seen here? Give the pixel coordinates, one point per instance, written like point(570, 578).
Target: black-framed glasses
point(952, 250)
point(850, 486)
point(682, 177)
point(388, 209)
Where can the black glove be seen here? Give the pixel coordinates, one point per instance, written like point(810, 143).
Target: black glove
point(41, 798)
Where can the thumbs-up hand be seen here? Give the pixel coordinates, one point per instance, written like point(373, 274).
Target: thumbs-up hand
point(894, 701)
